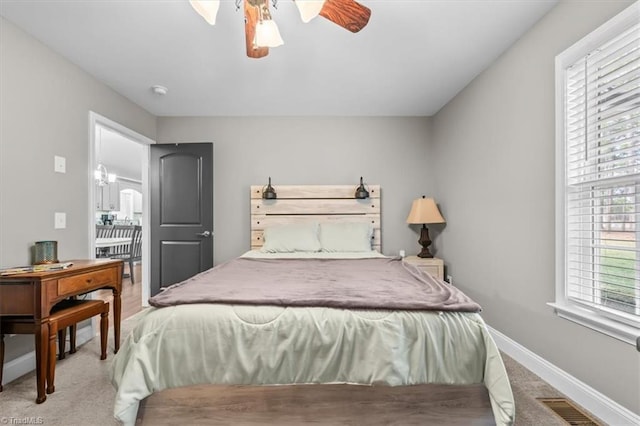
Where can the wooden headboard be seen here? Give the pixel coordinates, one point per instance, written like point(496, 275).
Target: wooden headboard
point(320, 203)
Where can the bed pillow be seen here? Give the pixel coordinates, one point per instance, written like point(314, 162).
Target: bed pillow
point(291, 238)
point(346, 237)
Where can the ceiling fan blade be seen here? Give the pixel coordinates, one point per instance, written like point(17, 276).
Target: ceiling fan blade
point(250, 21)
point(349, 14)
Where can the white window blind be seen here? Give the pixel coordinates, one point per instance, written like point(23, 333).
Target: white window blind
point(602, 178)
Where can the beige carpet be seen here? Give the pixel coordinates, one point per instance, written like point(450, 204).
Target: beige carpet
point(84, 395)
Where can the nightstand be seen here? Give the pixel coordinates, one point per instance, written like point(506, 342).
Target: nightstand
point(434, 266)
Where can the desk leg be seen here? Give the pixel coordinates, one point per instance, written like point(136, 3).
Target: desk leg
point(42, 352)
point(117, 309)
point(51, 359)
point(1, 354)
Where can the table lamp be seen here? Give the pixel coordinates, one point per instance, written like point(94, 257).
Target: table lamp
point(423, 211)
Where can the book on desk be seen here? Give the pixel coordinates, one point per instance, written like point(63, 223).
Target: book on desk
point(35, 268)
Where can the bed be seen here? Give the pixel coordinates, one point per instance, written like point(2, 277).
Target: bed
point(229, 325)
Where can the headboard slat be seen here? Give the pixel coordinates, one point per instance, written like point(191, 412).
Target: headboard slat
point(259, 222)
point(314, 206)
point(315, 191)
point(257, 238)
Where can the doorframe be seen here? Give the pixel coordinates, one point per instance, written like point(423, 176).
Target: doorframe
point(96, 119)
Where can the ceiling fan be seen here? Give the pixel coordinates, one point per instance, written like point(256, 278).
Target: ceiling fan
point(261, 31)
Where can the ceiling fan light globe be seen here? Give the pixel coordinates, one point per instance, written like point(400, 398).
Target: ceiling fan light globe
point(267, 34)
point(208, 9)
point(309, 9)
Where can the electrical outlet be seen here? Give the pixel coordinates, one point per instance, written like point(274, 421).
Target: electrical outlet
point(401, 253)
point(450, 279)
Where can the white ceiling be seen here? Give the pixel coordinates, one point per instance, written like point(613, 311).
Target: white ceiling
point(411, 59)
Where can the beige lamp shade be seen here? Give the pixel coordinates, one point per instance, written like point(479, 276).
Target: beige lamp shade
point(424, 210)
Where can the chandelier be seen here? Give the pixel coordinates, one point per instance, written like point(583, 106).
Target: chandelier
point(100, 174)
point(261, 31)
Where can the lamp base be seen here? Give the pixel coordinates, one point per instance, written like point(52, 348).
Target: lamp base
point(425, 254)
point(425, 242)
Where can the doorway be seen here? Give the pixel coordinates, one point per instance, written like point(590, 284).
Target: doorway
point(118, 196)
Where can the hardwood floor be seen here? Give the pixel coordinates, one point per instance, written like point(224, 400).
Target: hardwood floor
point(318, 405)
point(131, 294)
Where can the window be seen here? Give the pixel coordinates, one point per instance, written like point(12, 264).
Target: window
point(598, 178)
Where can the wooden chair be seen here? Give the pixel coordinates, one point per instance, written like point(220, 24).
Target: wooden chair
point(103, 231)
point(134, 253)
point(121, 231)
point(65, 314)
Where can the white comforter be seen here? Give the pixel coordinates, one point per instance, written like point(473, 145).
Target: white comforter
point(268, 345)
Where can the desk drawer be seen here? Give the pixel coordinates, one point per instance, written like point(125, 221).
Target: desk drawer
point(88, 281)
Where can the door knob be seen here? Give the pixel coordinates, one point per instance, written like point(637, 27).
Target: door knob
point(205, 234)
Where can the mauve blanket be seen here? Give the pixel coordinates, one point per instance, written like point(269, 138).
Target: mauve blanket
point(372, 283)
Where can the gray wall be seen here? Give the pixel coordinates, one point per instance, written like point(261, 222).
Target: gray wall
point(391, 152)
point(44, 111)
point(494, 145)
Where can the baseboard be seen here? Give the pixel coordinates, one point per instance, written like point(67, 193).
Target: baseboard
point(27, 363)
point(598, 404)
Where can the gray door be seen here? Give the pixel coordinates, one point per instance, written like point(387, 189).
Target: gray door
point(181, 207)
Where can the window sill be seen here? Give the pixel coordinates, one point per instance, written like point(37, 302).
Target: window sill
point(587, 318)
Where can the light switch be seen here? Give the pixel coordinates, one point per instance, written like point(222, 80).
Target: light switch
point(59, 220)
point(59, 164)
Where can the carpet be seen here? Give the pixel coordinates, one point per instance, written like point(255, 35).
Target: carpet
point(84, 395)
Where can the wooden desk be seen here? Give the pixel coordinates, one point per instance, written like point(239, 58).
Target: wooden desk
point(34, 294)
